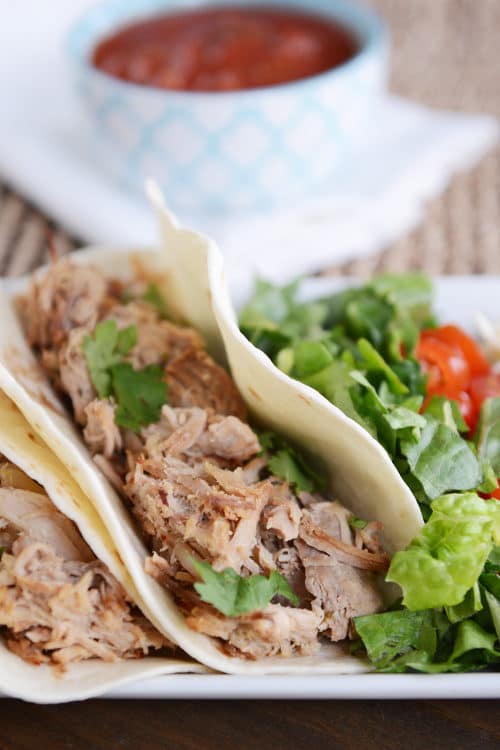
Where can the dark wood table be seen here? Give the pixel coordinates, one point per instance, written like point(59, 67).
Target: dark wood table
point(238, 725)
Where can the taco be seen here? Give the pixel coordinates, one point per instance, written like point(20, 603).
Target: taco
point(68, 627)
point(236, 540)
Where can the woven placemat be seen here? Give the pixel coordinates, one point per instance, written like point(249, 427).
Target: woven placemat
point(445, 54)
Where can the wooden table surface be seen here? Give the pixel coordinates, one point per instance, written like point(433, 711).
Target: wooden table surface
point(445, 54)
point(239, 725)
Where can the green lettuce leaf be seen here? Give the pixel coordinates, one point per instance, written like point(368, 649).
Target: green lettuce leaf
point(447, 412)
point(269, 306)
point(441, 460)
point(448, 556)
point(390, 635)
point(487, 437)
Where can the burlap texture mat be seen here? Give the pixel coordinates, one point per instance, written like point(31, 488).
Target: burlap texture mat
point(445, 54)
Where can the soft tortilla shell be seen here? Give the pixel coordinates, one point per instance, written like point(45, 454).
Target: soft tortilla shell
point(42, 684)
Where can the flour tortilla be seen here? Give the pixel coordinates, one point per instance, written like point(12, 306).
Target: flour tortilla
point(188, 270)
point(42, 684)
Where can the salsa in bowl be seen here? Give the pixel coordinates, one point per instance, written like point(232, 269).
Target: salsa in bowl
point(226, 117)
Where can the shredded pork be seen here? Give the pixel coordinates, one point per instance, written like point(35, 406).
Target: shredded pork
point(65, 611)
point(63, 299)
point(58, 604)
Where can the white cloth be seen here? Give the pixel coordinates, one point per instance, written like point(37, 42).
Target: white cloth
point(409, 157)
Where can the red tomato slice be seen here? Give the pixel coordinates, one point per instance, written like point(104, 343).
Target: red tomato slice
point(483, 387)
point(454, 336)
point(454, 373)
point(495, 493)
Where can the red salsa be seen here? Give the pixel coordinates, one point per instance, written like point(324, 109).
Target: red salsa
point(224, 48)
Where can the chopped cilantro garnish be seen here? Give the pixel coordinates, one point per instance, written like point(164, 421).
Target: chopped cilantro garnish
point(357, 523)
point(286, 463)
point(155, 298)
point(106, 348)
point(285, 466)
point(139, 394)
point(234, 595)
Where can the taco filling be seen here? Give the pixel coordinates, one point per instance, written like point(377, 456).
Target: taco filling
point(58, 604)
point(239, 527)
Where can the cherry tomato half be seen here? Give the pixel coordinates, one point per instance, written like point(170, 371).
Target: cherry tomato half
point(495, 493)
point(454, 336)
point(469, 411)
point(445, 364)
point(483, 387)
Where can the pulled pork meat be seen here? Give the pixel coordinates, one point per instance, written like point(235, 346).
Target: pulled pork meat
point(274, 631)
point(65, 298)
point(198, 482)
point(195, 380)
point(58, 604)
point(195, 499)
point(63, 611)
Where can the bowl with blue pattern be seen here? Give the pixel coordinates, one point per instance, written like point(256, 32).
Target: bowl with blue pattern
point(251, 150)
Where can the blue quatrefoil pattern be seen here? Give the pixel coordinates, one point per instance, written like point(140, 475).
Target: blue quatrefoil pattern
point(255, 150)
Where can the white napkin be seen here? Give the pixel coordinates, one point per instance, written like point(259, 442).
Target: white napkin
point(409, 157)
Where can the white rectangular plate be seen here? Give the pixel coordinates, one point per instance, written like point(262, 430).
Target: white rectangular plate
point(457, 300)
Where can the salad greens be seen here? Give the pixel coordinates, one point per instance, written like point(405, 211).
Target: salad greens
point(358, 349)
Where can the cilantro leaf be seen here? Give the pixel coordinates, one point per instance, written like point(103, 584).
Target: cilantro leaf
point(286, 463)
point(154, 297)
point(357, 523)
point(140, 394)
point(234, 595)
point(104, 349)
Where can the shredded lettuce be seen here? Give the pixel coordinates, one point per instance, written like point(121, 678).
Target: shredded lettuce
point(357, 349)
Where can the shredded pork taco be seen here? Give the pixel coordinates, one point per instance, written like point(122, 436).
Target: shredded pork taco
point(63, 614)
point(240, 550)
